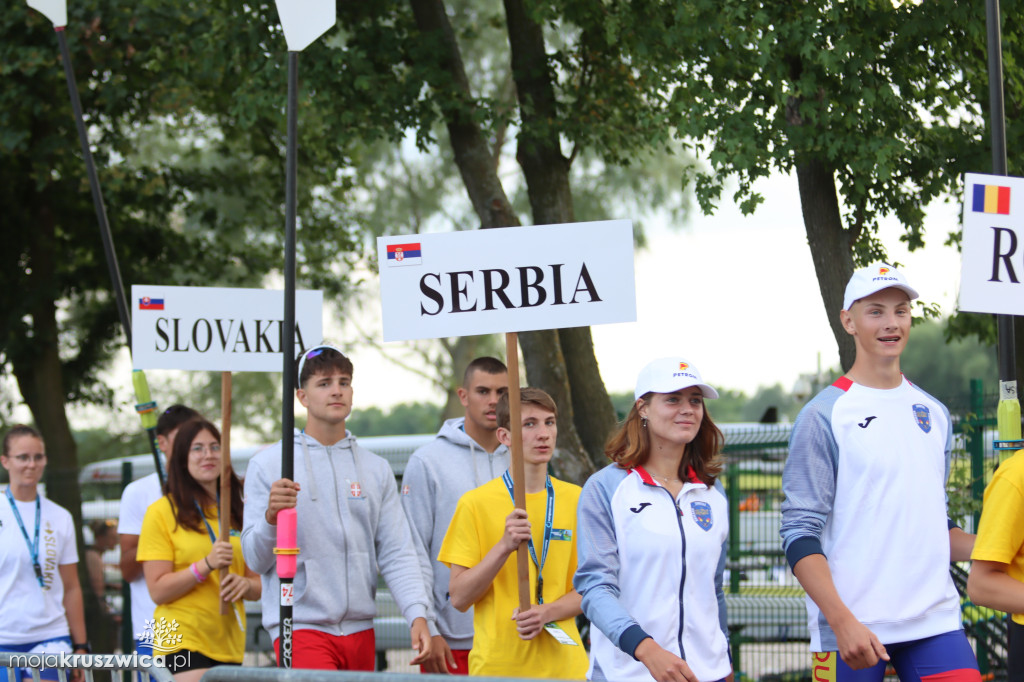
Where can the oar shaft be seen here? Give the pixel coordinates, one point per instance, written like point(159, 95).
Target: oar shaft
point(94, 185)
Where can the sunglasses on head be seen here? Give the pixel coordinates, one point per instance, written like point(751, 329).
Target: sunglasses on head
point(312, 353)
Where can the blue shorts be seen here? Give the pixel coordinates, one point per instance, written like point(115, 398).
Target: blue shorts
point(57, 645)
point(943, 658)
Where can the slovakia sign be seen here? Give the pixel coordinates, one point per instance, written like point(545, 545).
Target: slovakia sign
point(506, 279)
point(992, 248)
point(218, 329)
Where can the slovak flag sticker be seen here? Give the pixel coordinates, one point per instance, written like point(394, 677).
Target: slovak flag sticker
point(147, 303)
point(405, 254)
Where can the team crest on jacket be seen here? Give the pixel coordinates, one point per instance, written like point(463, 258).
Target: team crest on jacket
point(356, 490)
point(702, 514)
point(923, 417)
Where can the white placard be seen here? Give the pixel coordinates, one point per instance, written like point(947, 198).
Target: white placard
point(218, 329)
point(992, 248)
point(506, 280)
point(304, 21)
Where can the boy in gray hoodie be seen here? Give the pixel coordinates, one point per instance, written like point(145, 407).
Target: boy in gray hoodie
point(350, 527)
point(465, 455)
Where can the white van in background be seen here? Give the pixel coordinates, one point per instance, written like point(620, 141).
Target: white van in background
point(106, 475)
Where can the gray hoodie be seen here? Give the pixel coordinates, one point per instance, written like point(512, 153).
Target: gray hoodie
point(437, 475)
point(350, 527)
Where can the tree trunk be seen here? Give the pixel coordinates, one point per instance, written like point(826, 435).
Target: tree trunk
point(472, 151)
point(542, 351)
point(546, 368)
point(593, 412)
point(588, 407)
point(39, 373)
point(831, 249)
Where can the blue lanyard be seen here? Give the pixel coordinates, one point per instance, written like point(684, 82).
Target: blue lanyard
point(549, 518)
point(213, 536)
point(33, 548)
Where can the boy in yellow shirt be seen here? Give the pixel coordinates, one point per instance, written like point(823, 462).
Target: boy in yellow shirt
point(482, 538)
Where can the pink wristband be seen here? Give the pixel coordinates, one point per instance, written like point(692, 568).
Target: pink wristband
point(196, 574)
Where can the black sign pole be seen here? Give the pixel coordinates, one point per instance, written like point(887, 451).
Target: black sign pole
point(1008, 413)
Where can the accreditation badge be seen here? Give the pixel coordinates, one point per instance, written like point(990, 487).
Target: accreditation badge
point(561, 635)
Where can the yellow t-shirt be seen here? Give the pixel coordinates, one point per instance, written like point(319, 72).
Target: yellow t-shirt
point(1000, 532)
point(192, 621)
point(478, 524)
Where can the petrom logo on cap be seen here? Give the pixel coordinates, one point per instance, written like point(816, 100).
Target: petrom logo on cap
point(683, 365)
point(883, 271)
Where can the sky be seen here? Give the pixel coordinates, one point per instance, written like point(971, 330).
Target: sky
point(734, 295)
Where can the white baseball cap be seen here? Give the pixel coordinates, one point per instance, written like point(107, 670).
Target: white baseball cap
point(667, 375)
point(873, 278)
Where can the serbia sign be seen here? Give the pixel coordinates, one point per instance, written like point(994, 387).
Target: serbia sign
point(992, 248)
point(218, 329)
point(506, 279)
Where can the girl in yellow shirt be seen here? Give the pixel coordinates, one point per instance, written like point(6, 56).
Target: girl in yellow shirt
point(182, 560)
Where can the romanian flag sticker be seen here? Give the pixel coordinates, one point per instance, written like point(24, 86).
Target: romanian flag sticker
point(405, 254)
point(147, 303)
point(991, 199)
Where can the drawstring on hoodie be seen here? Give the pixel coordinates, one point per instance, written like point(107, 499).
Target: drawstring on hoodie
point(360, 479)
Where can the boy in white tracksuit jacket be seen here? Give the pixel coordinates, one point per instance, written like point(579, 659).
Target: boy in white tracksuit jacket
point(350, 527)
point(864, 523)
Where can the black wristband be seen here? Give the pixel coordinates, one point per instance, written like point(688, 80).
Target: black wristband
point(84, 645)
point(207, 560)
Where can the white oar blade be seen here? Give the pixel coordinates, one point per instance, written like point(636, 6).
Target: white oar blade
point(305, 20)
point(54, 10)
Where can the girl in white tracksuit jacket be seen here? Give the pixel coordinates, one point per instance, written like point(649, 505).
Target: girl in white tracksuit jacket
point(653, 528)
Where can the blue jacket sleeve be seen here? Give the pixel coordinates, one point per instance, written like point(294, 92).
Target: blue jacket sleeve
point(809, 478)
point(723, 615)
point(597, 572)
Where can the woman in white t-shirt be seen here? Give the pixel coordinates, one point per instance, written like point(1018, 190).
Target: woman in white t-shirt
point(40, 596)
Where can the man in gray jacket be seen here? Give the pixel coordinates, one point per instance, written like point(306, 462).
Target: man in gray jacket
point(350, 527)
point(465, 455)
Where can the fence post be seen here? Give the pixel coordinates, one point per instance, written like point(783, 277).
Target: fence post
point(733, 479)
point(975, 436)
point(976, 447)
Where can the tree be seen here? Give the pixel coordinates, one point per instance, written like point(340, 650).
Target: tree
point(188, 202)
point(878, 108)
point(945, 367)
point(583, 77)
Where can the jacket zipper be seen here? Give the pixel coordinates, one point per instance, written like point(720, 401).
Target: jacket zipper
point(682, 572)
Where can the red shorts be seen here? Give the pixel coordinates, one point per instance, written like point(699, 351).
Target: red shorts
point(320, 651)
point(461, 657)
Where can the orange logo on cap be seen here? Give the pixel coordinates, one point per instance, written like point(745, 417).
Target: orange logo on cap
point(683, 365)
point(883, 271)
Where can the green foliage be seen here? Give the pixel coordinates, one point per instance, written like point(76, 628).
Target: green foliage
point(402, 419)
point(944, 367)
point(95, 445)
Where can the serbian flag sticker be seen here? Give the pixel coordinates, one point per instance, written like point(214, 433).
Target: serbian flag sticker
point(404, 254)
point(991, 199)
point(147, 303)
